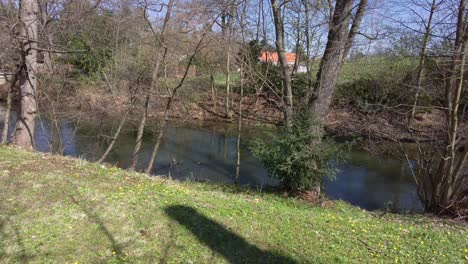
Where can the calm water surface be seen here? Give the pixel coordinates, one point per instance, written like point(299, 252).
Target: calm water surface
point(208, 153)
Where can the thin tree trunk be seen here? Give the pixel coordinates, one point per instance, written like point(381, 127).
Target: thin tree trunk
point(114, 137)
point(154, 152)
point(6, 123)
point(442, 189)
point(298, 43)
point(285, 73)
point(422, 57)
point(149, 168)
point(154, 82)
point(241, 80)
point(228, 83)
point(213, 91)
point(307, 37)
point(239, 124)
point(25, 125)
point(47, 54)
point(141, 129)
point(230, 31)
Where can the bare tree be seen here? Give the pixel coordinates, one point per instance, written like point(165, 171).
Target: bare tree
point(161, 53)
point(25, 125)
point(422, 55)
point(442, 178)
point(6, 123)
point(241, 82)
point(340, 39)
point(167, 109)
point(228, 14)
point(285, 71)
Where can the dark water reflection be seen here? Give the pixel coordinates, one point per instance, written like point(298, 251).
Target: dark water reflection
point(208, 153)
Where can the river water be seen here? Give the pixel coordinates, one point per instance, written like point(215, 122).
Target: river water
point(207, 152)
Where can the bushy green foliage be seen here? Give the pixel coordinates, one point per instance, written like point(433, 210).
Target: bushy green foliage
point(93, 41)
point(300, 87)
point(89, 59)
point(299, 158)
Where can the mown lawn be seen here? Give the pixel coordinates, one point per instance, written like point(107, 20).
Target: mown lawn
point(59, 210)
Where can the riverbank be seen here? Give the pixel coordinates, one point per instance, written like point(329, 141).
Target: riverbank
point(58, 209)
point(343, 120)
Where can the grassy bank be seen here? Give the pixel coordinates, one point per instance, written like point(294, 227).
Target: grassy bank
point(56, 209)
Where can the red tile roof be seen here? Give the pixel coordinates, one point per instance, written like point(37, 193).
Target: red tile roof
point(273, 57)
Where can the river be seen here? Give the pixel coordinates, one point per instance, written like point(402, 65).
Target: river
point(207, 152)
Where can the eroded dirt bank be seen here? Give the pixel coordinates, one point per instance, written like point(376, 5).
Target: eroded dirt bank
point(344, 121)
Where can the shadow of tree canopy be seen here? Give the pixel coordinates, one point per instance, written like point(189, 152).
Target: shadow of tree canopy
point(227, 243)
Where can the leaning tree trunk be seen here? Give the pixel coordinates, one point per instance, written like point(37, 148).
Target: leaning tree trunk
point(114, 137)
point(285, 72)
point(422, 58)
point(27, 108)
point(340, 39)
point(170, 100)
point(154, 82)
point(145, 112)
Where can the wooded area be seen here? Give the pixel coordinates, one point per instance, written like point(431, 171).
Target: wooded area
point(149, 62)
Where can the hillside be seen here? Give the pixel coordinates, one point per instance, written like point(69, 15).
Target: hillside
point(63, 210)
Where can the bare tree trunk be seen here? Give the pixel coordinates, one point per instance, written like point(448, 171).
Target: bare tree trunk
point(338, 44)
point(230, 31)
point(213, 92)
point(307, 37)
point(422, 57)
point(239, 124)
point(441, 189)
point(241, 80)
point(24, 130)
point(173, 93)
point(6, 123)
point(339, 41)
point(239, 127)
point(141, 129)
point(361, 9)
point(154, 81)
point(114, 137)
point(149, 168)
point(228, 83)
point(298, 43)
point(47, 68)
point(286, 75)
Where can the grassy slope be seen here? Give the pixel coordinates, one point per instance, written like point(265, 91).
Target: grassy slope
point(55, 209)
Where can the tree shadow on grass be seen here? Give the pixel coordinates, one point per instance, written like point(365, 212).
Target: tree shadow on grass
point(117, 248)
point(21, 256)
point(227, 243)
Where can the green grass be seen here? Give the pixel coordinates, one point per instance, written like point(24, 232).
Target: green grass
point(58, 210)
point(220, 79)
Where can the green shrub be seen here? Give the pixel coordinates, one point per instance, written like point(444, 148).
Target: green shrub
point(289, 157)
point(300, 86)
point(90, 59)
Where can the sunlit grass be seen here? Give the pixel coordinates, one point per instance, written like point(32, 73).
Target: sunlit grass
point(56, 209)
